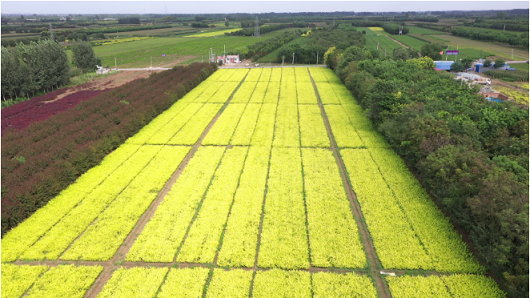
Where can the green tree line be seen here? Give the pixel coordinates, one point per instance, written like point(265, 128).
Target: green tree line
point(306, 48)
point(37, 67)
point(471, 155)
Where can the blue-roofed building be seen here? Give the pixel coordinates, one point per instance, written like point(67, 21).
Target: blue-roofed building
point(443, 65)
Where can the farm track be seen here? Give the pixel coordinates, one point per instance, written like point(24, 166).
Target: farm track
point(369, 247)
point(119, 256)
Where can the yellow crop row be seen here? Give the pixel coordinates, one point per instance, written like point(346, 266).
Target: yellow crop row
point(46, 282)
point(284, 236)
point(224, 127)
point(313, 133)
point(259, 93)
point(286, 128)
point(213, 33)
point(19, 239)
point(246, 126)
point(165, 231)
point(458, 285)
point(333, 233)
point(51, 245)
point(205, 232)
point(103, 237)
point(342, 129)
point(122, 40)
point(244, 93)
point(520, 97)
point(241, 236)
point(264, 131)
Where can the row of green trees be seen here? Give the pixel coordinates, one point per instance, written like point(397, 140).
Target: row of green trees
point(262, 30)
point(471, 155)
point(307, 48)
point(41, 67)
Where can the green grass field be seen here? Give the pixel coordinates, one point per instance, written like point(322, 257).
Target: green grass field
point(410, 41)
point(373, 38)
point(519, 66)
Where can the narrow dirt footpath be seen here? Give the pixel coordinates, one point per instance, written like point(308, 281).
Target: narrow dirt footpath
point(369, 248)
point(119, 256)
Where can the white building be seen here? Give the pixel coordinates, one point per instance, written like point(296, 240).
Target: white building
point(229, 59)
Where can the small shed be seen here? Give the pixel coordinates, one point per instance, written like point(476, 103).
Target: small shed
point(489, 92)
point(229, 59)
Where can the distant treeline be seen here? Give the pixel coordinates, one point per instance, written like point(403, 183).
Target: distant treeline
point(520, 25)
point(318, 42)
point(262, 30)
point(512, 39)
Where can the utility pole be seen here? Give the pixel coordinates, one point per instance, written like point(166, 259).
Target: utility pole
point(151, 61)
point(283, 57)
point(512, 54)
point(256, 28)
point(224, 50)
point(378, 45)
point(293, 58)
point(51, 33)
point(115, 63)
point(317, 58)
point(504, 28)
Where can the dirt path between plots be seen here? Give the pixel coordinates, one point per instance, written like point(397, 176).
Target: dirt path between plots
point(399, 42)
point(119, 256)
point(103, 83)
point(369, 248)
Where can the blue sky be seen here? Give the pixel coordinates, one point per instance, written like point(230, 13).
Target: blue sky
point(159, 7)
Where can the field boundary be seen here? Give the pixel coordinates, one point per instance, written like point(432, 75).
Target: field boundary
point(369, 248)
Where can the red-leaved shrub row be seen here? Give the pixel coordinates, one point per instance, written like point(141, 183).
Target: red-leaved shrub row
point(44, 158)
point(37, 109)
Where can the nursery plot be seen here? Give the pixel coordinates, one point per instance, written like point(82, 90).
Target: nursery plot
point(222, 131)
point(265, 74)
point(246, 126)
point(284, 236)
point(312, 130)
point(259, 92)
point(272, 193)
point(244, 93)
point(253, 75)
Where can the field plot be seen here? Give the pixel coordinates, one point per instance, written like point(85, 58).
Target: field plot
point(262, 183)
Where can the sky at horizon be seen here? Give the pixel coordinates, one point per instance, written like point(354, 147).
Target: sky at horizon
point(197, 7)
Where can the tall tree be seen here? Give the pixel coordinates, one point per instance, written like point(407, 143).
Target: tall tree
point(84, 56)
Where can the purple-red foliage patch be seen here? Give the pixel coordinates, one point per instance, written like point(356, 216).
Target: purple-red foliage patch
point(40, 108)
